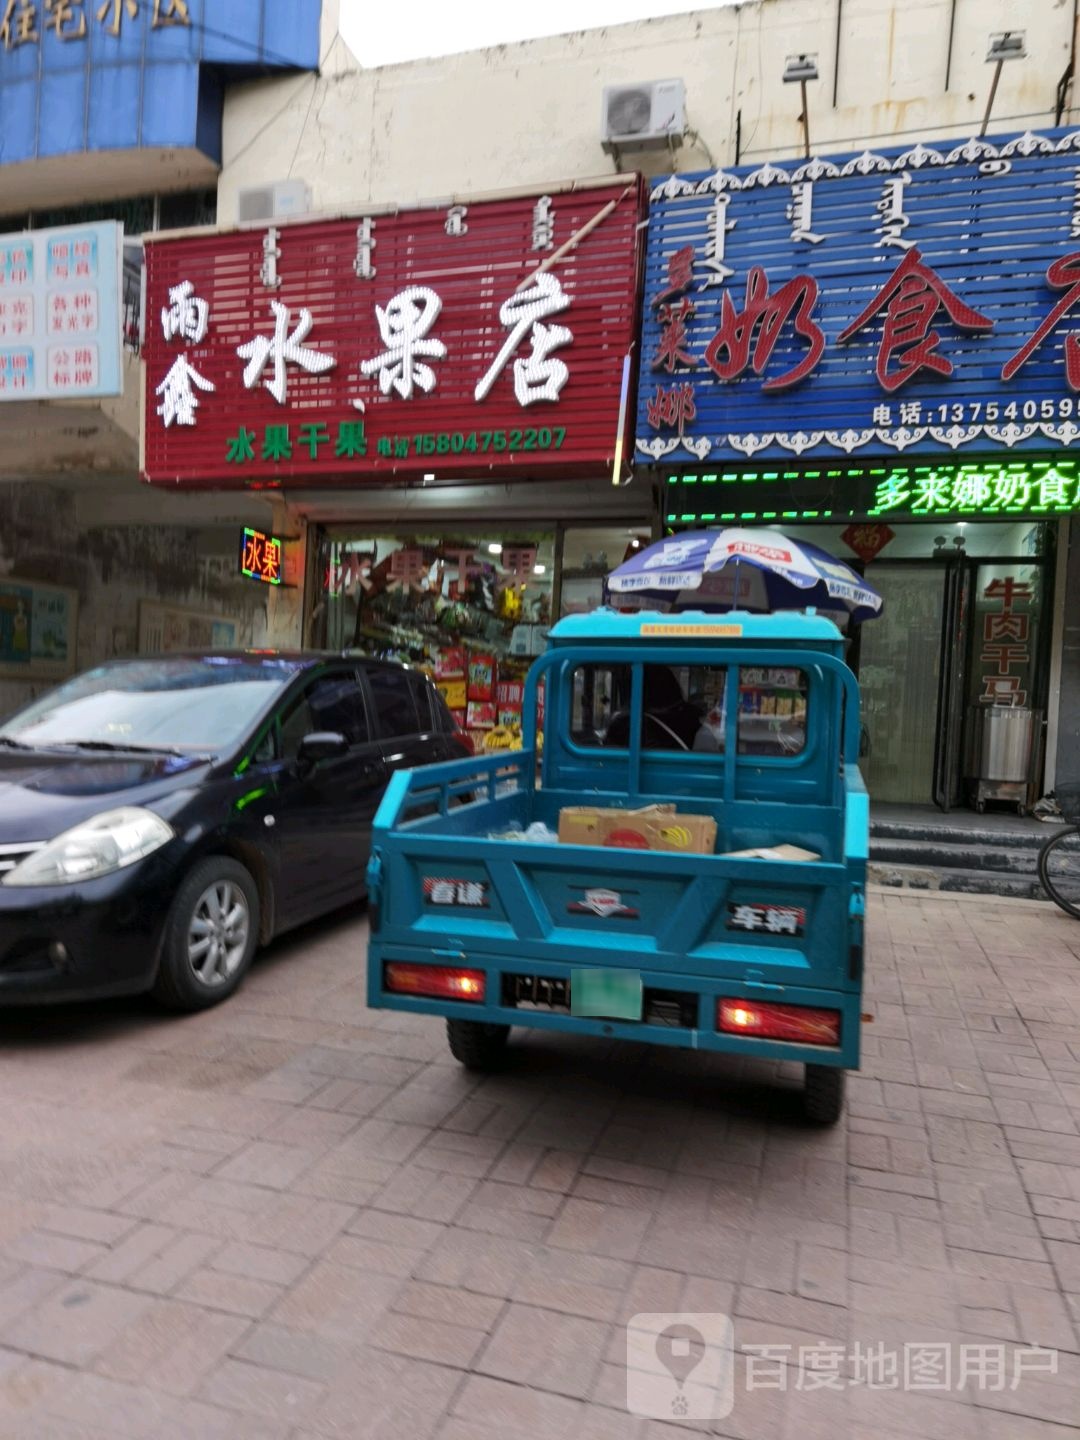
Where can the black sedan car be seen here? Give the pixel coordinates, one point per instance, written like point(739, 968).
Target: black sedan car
point(161, 818)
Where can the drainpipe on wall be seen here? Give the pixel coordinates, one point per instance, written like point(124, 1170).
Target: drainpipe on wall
point(836, 53)
point(1064, 86)
point(949, 50)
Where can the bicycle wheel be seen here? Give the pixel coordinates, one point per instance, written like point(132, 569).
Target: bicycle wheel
point(1059, 869)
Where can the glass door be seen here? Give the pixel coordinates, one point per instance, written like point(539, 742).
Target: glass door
point(900, 676)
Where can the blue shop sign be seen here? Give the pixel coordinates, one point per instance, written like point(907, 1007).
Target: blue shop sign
point(924, 299)
point(104, 75)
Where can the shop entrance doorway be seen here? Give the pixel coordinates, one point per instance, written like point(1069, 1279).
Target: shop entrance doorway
point(899, 676)
point(961, 635)
point(965, 628)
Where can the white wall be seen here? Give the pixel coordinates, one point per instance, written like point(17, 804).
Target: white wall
point(529, 114)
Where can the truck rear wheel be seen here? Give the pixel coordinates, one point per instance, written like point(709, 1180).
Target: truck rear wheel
point(475, 1045)
point(823, 1094)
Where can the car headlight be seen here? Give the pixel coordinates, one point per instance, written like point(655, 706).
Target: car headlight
point(110, 841)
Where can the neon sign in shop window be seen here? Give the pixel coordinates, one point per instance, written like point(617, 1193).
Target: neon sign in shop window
point(261, 556)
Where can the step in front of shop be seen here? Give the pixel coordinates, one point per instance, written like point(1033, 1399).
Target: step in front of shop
point(958, 858)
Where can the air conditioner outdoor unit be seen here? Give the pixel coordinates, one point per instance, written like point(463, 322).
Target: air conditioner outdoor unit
point(274, 202)
point(645, 116)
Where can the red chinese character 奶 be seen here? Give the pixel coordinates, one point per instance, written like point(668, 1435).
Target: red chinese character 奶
point(764, 316)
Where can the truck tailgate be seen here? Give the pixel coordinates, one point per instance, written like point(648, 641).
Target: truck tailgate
point(704, 915)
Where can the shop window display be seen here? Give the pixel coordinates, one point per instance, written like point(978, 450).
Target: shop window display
point(589, 555)
point(470, 612)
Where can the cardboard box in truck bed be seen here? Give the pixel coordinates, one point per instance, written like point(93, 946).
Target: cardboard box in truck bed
point(655, 827)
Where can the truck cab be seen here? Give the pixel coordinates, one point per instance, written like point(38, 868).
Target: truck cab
point(680, 862)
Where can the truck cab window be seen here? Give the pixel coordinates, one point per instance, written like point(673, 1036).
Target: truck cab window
point(772, 710)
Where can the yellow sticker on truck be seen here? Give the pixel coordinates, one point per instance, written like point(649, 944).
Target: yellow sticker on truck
point(655, 630)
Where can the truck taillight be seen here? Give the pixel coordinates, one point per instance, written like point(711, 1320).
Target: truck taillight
point(465, 740)
point(766, 1020)
point(434, 982)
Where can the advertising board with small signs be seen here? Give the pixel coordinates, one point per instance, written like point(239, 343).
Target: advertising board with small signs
point(60, 312)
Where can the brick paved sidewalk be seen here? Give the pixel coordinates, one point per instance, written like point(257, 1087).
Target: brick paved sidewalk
point(292, 1218)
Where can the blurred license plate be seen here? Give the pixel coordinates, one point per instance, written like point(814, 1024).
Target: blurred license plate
point(606, 994)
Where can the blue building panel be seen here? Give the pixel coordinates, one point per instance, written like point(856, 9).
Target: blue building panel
point(62, 96)
point(113, 114)
point(899, 300)
point(170, 98)
point(134, 74)
point(18, 119)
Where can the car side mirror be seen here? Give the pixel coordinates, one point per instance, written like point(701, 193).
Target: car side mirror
point(320, 745)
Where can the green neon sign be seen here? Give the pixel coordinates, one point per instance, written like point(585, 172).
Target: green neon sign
point(980, 489)
point(974, 490)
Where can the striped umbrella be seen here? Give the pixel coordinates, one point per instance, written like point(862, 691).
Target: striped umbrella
point(741, 569)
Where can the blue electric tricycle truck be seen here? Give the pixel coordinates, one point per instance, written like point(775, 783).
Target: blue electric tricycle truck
point(478, 912)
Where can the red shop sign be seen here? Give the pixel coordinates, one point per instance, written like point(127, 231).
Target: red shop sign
point(457, 341)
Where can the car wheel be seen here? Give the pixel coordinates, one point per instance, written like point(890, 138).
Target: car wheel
point(475, 1045)
point(823, 1094)
point(210, 937)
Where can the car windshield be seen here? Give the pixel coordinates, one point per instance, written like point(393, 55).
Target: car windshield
point(204, 704)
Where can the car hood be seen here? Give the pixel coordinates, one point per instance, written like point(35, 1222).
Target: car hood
point(44, 793)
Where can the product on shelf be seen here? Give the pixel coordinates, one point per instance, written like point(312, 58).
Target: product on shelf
point(481, 715)
point(450, 663)
point(481, 676)
point(453, 692)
